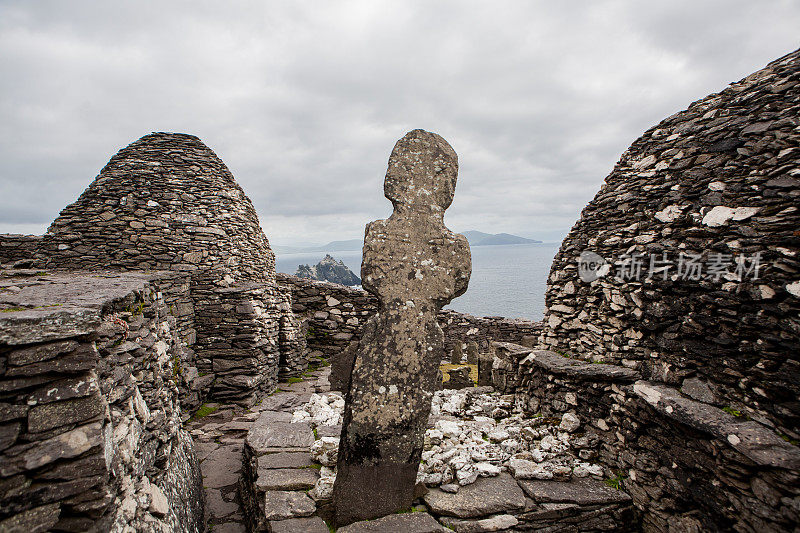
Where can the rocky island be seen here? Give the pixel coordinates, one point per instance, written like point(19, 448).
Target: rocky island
point(329, 269)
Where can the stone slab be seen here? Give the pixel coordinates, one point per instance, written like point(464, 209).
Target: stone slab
point(748, 437)
point(263, 438)
point(282, 505)
point(287, 479)
point(581, 492)
point(60, 306)
point(406, 522)
point(284, 460)
point(312, 524)
point(488, 495)
point(500, 522)
point(582, 370)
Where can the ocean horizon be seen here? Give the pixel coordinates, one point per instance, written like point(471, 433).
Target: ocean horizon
point(507, 280)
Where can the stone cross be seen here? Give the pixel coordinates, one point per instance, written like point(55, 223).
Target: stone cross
point(414, 265)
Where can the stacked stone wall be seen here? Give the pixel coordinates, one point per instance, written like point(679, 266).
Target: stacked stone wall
point(689, 466)
point(717, 182)
point(334, 314)
point(15, 247)
point(90, 418)
point(165, 202)
point(248, 339)
point(168, 202)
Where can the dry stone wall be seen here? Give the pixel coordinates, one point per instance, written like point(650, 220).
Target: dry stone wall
point(251, 338)
point(333, 315)
point(689, 466)
point(15, 247)
point(718, 182)
point(90, 418)
point(168, 202)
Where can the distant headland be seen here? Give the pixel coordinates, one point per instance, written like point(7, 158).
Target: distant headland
point(475, 238)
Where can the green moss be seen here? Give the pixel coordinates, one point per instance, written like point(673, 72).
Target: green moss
point(203, 411)
point(615, 482)
point(135, 309)
point(12, 309)
point(316, 435)
point(294, 380)
point(791, 441)
point(732, 411)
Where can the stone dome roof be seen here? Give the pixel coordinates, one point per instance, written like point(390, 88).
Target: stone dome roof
point(165, 201)
point(719, 181)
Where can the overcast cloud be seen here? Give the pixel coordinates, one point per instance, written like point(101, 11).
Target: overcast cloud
point(304, 100)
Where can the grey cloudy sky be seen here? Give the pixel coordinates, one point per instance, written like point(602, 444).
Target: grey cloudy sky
point(304, 100)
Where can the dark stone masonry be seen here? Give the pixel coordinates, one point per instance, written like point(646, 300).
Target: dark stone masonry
point(156, 374)
point(90, 418)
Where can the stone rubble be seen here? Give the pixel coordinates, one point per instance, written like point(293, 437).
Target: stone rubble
point(474, 434)
point(493, 501)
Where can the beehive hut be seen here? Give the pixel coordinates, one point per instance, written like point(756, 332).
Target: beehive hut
point(167, 202)
point(695, 284)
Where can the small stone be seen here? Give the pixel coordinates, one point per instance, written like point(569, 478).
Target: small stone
point(325, 450)
point(323, 488)
point(586, 470)
point(159, 505)
point(570, 422)
point(487, 469)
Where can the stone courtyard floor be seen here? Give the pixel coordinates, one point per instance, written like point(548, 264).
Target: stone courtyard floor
point(219, 430)
point(511, 500)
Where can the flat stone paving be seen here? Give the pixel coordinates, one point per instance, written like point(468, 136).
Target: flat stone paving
point(218, 441)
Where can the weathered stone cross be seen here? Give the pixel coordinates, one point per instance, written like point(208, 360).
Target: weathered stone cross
point(414, 265)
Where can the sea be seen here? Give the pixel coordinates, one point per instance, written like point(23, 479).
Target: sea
point(507, 280)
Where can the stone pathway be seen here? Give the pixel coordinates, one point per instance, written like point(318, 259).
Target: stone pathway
point(219, 430)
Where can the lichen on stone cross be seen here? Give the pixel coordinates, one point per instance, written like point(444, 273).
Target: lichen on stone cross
point(414, 265)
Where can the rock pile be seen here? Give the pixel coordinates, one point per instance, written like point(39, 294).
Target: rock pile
point(475, 433)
